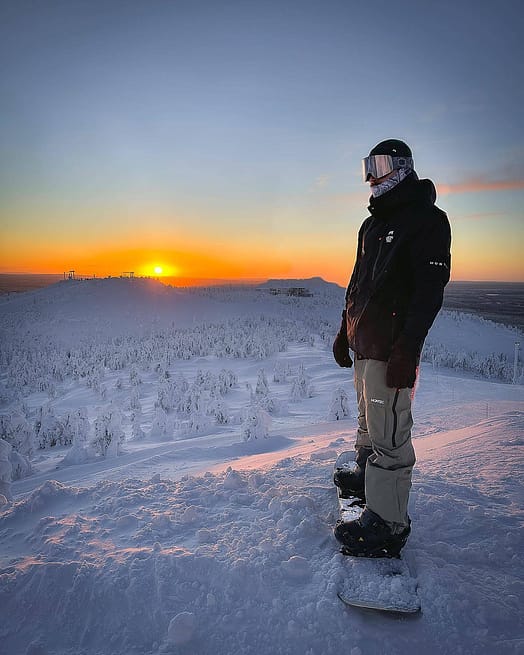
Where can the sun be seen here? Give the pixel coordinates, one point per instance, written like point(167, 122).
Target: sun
point(158, 268)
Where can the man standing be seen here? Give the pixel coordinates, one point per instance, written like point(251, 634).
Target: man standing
point(395, 292)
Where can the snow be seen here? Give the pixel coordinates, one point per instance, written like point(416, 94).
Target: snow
point(388, 584)
point(199, 541)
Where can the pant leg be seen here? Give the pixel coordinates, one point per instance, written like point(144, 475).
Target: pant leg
point(389, 422)
point(362, 430)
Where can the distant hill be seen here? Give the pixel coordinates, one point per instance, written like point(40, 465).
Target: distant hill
point(312, 284)
point(20, 282)
point(77, 308)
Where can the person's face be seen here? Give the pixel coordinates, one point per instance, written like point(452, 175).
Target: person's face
point(373, 181)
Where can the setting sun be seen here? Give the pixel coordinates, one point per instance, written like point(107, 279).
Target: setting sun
point(154, 266)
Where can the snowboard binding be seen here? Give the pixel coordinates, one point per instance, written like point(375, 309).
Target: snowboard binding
point(350, 476)
point(370, 536)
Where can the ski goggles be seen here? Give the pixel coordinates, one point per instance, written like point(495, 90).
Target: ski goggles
point(379, 165)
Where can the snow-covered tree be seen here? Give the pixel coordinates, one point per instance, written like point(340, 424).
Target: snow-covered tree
point(220, 411)
point(96, 379)
point(281, 372)
point(166, 396)
point(134, 378)
point(68, 428)
point(270, 404)
point(339, 407)
point(255, 422)
point(108, 431)
point(136, 425)
point(200, 379)
point(161, 427)
point(17, 431)
point(197, 398)
point(301, 387)
point(171, 394)
point(21, 465)
point(262, 396)
point(80, 428)
point(134, 399)
point(226, 380)
point(48, 428)
point(199, 422)
point(262, 388)
point(6, 470)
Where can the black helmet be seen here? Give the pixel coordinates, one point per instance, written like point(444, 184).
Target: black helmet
point(392, 147)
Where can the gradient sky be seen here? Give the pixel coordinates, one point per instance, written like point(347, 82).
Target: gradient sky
point(224, 138)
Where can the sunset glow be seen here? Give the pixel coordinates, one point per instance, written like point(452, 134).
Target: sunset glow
point(155, 269)
point(189, 149)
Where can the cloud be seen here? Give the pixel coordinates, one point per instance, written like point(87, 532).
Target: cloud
point(477, 185)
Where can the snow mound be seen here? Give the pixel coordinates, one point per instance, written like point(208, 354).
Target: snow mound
point(244, 561)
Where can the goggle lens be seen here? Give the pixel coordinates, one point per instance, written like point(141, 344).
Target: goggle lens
point(376, 166)
point(379, 165)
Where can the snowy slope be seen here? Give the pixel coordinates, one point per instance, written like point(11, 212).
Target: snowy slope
point(248, 555)
point(206, 543)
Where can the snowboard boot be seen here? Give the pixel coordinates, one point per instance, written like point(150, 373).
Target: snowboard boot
point(352, 480)
point(371, 536)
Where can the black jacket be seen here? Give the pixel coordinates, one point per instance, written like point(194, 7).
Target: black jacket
point(402, 266)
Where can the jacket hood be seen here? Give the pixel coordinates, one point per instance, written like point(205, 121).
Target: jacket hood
point(411, 191)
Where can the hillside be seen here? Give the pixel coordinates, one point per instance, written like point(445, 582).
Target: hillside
point(198, 531)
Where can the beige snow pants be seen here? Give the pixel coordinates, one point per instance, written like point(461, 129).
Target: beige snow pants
point(384, 424)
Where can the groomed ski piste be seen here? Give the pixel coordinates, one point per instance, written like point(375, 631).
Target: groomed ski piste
point(187, 503)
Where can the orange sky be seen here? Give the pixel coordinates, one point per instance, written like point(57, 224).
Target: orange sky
point(308, 233)
point(330, 259)
point(190, 138)
point(312, 234)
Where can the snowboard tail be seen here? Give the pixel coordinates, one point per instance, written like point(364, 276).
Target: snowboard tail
point(407, 608)
point(386, 585)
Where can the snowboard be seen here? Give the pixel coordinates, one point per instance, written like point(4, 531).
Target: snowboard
point(373, 583)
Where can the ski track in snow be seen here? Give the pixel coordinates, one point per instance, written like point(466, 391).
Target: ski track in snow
point(210, 545)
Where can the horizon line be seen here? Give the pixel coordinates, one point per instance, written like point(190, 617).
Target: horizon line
point(159, 278)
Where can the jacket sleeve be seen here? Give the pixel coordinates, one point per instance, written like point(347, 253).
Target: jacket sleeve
point(354, 275)
point(430, 254)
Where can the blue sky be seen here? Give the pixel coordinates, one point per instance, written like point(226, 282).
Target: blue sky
point(241, 125)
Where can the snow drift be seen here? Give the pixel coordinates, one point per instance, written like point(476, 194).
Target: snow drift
point(243, 561)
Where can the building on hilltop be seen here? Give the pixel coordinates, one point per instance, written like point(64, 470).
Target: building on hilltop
point(290, 291)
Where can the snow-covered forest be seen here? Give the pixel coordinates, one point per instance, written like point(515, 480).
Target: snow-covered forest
point(165, 475)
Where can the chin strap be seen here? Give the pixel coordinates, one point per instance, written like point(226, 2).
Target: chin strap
point(399, 174)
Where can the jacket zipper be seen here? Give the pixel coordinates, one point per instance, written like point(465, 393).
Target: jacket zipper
point(377, 258)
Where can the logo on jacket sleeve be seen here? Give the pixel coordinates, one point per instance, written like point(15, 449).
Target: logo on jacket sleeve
point(389, 237)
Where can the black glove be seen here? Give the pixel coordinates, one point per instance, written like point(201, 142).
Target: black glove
point(401, 371)
point(341, 346)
